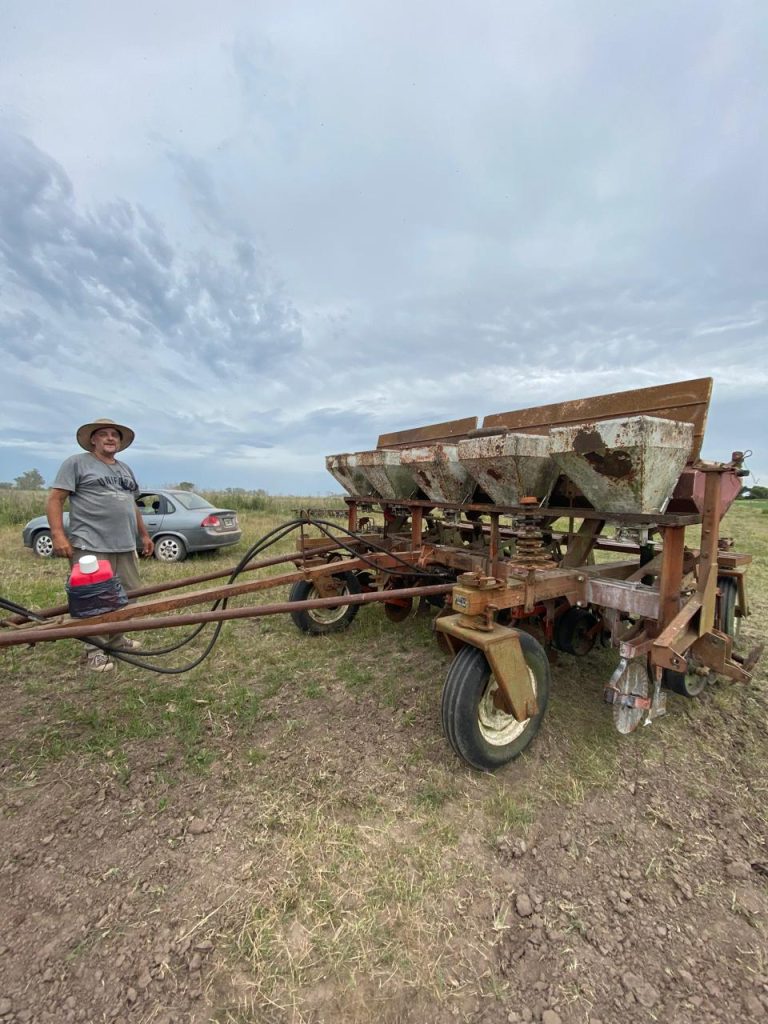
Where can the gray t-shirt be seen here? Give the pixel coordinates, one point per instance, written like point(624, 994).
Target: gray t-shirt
point(102, 503)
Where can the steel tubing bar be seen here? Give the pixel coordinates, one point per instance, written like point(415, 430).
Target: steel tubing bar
point(33, 636)
point(235, 589)
point(190, 581)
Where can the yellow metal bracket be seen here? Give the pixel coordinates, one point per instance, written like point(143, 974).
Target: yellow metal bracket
point(501, 646)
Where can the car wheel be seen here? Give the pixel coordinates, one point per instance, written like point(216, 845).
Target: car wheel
point(43, 544)
point(170, 549)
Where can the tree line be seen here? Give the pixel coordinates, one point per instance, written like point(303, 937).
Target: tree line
point(32, 480)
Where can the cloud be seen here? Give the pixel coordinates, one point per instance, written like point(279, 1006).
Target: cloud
point(113, 268)
point(278, 235)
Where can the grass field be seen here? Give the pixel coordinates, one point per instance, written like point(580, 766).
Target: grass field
point(283, 834)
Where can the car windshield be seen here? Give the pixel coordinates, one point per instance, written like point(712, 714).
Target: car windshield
point(190, 500)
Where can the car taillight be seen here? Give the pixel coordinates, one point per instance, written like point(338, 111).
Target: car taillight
point(211, 521)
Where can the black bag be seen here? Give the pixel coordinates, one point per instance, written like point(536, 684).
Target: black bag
point(96, 598)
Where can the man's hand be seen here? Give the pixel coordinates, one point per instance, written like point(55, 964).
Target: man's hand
point(61, 545)
point(147, 546)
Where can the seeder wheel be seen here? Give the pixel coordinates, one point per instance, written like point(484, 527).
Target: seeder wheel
point(480, 732)
point(726, 605)
point(687, 684)
point(334, 619)
point(576, 631)
point(629, 684)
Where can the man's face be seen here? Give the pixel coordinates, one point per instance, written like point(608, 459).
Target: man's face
point(106, 441)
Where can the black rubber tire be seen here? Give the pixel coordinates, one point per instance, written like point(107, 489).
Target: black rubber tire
point(466, 697)
point(42, 545)
point(321, 621)
point(686, 684)
point(726, 605)
point(169, 548)
point(572, 629)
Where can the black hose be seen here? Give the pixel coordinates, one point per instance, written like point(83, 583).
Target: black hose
point(138, 660)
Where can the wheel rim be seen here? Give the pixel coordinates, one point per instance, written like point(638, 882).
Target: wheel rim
point(694, 684)
point(168, 549)
point(44, 546)
point(496, 726)
point(327, 616)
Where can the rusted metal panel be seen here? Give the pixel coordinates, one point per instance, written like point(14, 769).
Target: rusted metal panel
point(345, 469)
point(439, 473)
point(624, 465)
point(632, 598)
point(688, 495)
point(686, 400)
point(510, 467)
point(451, 430)
point(387, 475)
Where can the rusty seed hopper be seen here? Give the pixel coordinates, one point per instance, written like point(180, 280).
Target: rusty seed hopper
point(630, 464)
point(345, 469)
point(509, 467)
point(387, 475)
point(439, 473)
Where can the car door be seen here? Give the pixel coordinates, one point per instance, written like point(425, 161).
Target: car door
point(153, 508)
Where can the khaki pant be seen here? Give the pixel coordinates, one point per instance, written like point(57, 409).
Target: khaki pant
point(125, 564)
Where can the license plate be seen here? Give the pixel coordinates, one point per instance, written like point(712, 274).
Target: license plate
point(228, 521)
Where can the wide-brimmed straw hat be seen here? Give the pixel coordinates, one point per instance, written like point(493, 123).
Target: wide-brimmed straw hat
point(84, 433)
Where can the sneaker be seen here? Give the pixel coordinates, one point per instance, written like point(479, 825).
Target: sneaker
point(97, 661)
point(126, 644)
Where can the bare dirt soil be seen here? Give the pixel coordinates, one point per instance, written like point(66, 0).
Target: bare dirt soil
point(287, 837)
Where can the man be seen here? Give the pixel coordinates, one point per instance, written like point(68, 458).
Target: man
point(103, 517)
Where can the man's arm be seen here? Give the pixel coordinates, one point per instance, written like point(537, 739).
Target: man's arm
point(54, 509)
point(147, 544)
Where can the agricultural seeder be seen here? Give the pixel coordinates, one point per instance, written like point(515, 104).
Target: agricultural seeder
point(501, 528)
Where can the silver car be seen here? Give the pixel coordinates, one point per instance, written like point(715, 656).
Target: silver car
point(179, 522)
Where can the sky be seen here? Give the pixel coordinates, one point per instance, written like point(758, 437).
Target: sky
point(263, 232)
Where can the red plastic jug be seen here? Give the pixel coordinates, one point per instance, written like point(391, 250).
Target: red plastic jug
point(90, 569)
